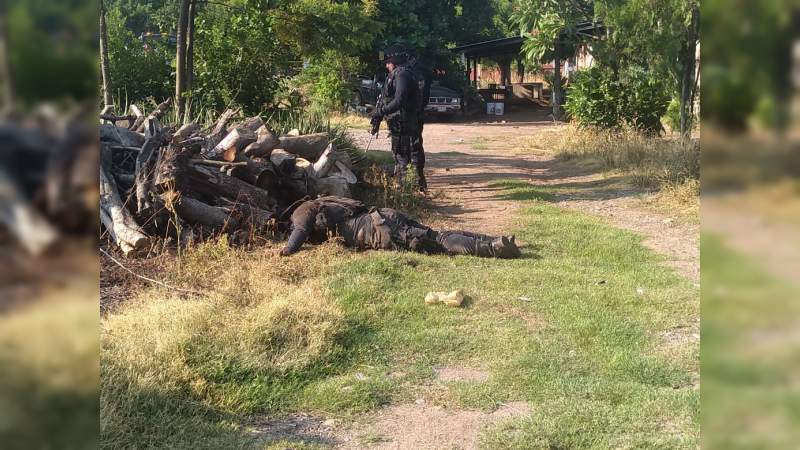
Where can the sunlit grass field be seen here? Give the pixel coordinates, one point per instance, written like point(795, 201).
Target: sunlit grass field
point(581, 327)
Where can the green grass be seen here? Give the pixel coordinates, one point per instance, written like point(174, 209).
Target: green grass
point(750, 354)
point(586, 351)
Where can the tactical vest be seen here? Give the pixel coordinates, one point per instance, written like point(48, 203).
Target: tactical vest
point(402, 121)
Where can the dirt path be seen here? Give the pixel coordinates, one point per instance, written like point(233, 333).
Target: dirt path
point(465, 158)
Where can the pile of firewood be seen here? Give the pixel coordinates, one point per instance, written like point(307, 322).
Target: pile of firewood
point(236, 178)
point(48, 181)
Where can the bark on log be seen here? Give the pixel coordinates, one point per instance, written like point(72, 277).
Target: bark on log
point(209, 182)
point(346, 173)
point(252, 123)
point(120, 224)
point(185, 132)
point(196, 212)
point(329, 186)
point(119, 135)
point(232, 144)
point(141, 122)
point(258, 218)
point(309, 146)
point(326, 160)
point(24, 222)
point(259, 172)
point(283, 161)
point(218, 132)
point(145, 163)
point(266, 141)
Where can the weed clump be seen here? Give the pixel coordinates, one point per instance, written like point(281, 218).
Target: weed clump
point(651, 161)
point(247, 346)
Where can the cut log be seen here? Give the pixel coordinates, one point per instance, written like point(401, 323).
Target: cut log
point(326, 160)
point(220, 128)
point(24, 222)
point(346, 173)
point(135, 111)
point(309, 146)
point(196, 212)
point(232, 144)
point(145, 162)
point(283, 161)
point(119, 135)
point(252, 124)
point(210, 183)
point(121, 226)
point(257, 218)
point(156, 114)
point(185, 132)
point(266, 141)
point(303, 164)
point(329, 186)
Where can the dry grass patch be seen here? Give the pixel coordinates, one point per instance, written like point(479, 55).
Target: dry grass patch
point(247, 346)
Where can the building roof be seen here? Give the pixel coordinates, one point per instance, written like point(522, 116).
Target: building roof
point(513, 45)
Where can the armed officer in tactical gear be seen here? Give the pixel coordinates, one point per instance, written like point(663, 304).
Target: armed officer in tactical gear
point(400, 106)
point(385, 229)
point(423, 77)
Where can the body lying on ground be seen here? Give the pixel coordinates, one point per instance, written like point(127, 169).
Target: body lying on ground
point(365, 228)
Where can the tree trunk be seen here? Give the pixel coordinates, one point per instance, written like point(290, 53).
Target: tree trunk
point(118, 221)
point(180, 61)
point(107, 98)
point(556, 87)
point(190, 46)
point(688, 76)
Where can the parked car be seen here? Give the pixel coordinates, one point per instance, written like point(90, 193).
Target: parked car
point(442, 100)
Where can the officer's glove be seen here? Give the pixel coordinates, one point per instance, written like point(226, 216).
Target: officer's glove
point(375, 123)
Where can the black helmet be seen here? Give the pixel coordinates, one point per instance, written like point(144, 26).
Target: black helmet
point(396, 54)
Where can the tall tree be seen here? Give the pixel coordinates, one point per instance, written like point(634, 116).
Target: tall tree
point(689, 71)
point(190, 45)
point(107, 98)
point(550, 31)
point(180, 60)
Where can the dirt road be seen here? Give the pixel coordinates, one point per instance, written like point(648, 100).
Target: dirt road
point(465, 158)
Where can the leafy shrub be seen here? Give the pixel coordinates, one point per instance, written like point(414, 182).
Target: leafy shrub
point(673, 116)
point(137, 72)
point(326, 81)
point(238, 60)
point(598, 97)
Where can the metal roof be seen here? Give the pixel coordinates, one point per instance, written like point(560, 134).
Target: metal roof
point(513, 45)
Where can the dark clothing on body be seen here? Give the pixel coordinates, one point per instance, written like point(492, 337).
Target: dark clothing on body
point(385, 229)
point(401, 108)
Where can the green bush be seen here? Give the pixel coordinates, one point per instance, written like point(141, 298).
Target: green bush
point(138, 72)
point(325, 81)
point(599, 97)
point(673, 116)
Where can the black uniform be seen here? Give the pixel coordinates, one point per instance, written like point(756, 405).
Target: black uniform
point(385, 229)
point(400, 107)
point(423, 78)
